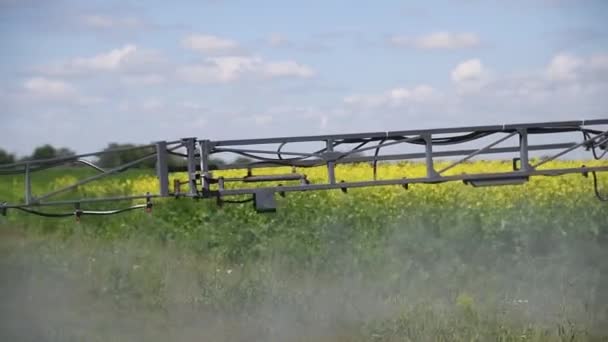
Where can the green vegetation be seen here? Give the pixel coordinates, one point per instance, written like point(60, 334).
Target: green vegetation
point(434, 263)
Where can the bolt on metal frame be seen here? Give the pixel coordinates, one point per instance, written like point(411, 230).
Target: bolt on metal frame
point(201, 183)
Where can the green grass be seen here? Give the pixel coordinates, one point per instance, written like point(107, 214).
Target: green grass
point(440, 263)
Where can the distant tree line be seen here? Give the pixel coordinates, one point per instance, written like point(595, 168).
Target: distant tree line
point(132, 153)
point(127, 153)
point(114, 159)
point(41, 152)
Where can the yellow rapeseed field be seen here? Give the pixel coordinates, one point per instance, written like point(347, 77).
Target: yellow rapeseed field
point(539, 189)
point(544, 187)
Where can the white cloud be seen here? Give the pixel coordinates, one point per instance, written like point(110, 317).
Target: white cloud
point(106, 22)
point(599, 62)
point(393, 97)
point(152, 104)
point(229, 69)
point(209, 43)
point(287, 68)
point(262, 120)
point(470, 70)
point(572, 70)
point(277, 40)
point(54, 90)
point(128, 59)
point(145, 79)
point(190, 105)
point(323, 122)
point(567, 85)
point(564, 68)
point(111, 60)
point(221, 69)
point(575, 90)
point(46, 87)
point(437, 41)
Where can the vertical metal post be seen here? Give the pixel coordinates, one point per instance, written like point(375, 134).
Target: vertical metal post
point(162, 168)
point(28, 185)
point(523, 150)
point(430, 169)
point(331, 174)
point(204, 153)
point(190, 143)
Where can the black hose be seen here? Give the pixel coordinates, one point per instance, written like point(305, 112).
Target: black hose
point(375, 162)
point(596, 188)
point(593, 146)
point(112, 212)
point(81, 212)
point(40, 213)
point(237, 201)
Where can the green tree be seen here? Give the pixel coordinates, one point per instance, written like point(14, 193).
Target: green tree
point(241, 161)
point(6, 158)
point(47, 151)
point(44, 152)
point(114, 159)
point(64, 152)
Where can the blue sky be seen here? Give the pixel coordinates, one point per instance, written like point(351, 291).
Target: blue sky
point(86, 73)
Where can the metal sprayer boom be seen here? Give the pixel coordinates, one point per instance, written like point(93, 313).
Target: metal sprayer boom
point(370, 147)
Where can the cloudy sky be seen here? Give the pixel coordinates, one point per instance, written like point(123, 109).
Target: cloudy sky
point(85, 73)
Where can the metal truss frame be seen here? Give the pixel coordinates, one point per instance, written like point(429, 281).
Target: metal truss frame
point(201, 183)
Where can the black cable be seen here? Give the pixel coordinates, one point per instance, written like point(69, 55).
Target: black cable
point(451, 140)
point(359, 146)
point(375, 163)
point(112, 212)
point(593, 146)
point(178, 154)
point(362, 142)
point(237, 201)
point(81, 212)
point(596, 188)
point(40, 213)
point(279, 150)
point(280, 160)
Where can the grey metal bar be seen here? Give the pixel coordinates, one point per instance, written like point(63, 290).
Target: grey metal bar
point(95, 177)
point(469, 156)
point(523, 150)
point(331, 158)
point(430, 180)
point(326, 186)
point(90, 164)
point(272, 178)
point(383, 145)
point(500, 128)
point(190, 144)
point(203, 146)
point(331, 172)
point(430, 169)
point(585, 141)
point(162, 168)
point(337, 137)
point(279, 140)
point(603, 141)
point(408, 156)
point(83, 200)
point(236, 150)
point(28, 184)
